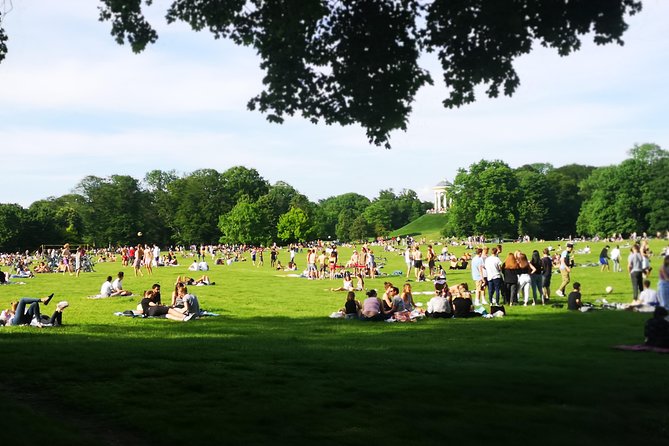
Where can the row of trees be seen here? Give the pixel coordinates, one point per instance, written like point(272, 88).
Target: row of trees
point(205, 206)
point(493, 199)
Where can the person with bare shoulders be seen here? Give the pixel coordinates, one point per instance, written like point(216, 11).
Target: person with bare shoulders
point(139, 258)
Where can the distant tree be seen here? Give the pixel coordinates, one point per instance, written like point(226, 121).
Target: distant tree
point(629, 197)
point(275, 203)
point(240, 182)
point(198, 200)
point(294, 226)
point(245, 223)
point(113, 209)
point(360, 229)
point(344, 225)
point(379, 216)
point(533, 204)
point(333, 207)
point(485, 201)
point(12, 219)
point(564, 198)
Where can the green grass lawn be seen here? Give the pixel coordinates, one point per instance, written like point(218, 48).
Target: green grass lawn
point(273, 369)
point(428, 226)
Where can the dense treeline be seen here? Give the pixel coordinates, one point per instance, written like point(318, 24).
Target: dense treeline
point(492, 199)
point(239, 206)
point(205, 206)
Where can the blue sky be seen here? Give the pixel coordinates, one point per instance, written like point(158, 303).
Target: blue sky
point(74, 103)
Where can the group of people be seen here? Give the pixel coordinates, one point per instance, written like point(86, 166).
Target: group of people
point(183, 307)
point(506, 280)
point(447, 302)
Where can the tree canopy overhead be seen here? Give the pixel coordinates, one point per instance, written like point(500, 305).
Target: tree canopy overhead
point(357, 61)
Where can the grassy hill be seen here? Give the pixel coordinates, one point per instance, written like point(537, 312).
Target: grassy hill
point(428, 226)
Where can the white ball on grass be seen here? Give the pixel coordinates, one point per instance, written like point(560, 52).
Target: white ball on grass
point(609, 289)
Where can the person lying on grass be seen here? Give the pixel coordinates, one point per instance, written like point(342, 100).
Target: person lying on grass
point(202, 281)
point(27, 311)
point(656, 329)
point(151, 308)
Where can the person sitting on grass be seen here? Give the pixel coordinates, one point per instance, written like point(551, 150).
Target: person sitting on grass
point(463, 307)
point(117, 286)
point(352, 308)
point(42, 268)
point(151, 308)
point(27, 311)
point(574, 301)
point(407, 297)
point(656, 329)
point(107, 289)
point(360, 282)
point(647, 298)
point(347, 285)
point(371, 307)
point(392, 301)
point(440, 305)
point(191, 304)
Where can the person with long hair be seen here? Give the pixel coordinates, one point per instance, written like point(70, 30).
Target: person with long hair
point(510, 271)
point(407, 297)
point(535, 277)
point(525, 271)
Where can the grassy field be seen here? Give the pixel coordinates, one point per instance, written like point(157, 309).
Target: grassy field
point(273, 369)
point(428, 226)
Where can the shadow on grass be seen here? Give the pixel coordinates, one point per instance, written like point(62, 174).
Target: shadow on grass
point(316, 380)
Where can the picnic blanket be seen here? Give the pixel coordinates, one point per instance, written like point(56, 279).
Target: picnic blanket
point(641, 348)
point(98, 296)
point(135, 313)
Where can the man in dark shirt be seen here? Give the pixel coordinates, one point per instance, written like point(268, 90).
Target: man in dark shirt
point(574, 299)
point(604, 258)
point(657, 329)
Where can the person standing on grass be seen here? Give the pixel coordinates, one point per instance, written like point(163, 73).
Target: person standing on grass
point(408, 259)
point(477, 277)
point(546, 271)
point(417, 261)
point(536, 277)
point(635, 269)
point(615, 257)
point(604, 259)
point(565, 269)
point(431, 257)
point(493, 267)
point(663, 284)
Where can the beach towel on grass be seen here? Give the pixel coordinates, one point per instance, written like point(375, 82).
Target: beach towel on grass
point(641, 348)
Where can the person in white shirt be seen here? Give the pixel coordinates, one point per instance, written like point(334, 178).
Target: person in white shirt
point(648, 297)
point(117, 286)
point(107, 288)
point(203, 266)
point(615, 256)
point(493, 267)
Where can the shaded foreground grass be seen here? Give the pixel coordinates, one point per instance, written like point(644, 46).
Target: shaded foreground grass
point(273, 369)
